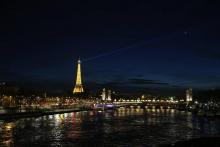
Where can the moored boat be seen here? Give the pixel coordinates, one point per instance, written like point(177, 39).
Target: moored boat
point(104, 106)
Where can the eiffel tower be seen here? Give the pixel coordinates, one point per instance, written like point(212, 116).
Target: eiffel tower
point(78, 87)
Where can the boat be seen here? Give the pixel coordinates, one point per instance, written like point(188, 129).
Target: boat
point(104, 106)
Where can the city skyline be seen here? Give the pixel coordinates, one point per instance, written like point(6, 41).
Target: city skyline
point(165, 46)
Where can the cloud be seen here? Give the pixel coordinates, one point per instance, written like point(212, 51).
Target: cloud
point(134, 82)
point(126, 88)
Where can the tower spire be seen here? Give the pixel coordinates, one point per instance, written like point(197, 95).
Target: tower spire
point(78, 87)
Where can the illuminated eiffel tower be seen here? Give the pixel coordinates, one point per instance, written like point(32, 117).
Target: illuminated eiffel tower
point(78, 87)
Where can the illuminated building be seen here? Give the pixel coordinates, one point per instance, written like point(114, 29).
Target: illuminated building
point(189, 95)
point(106, 95)
point(78, 87)
point(109, 95)
point(103, 94)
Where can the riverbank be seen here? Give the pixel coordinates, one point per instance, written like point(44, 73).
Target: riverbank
point(10, 115)
point(17, 115)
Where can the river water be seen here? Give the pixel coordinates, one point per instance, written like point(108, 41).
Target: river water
point(121, 127)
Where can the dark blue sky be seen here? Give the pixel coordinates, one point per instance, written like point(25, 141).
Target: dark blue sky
point(156, 44)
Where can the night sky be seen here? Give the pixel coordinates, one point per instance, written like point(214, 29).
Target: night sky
point(123, 45)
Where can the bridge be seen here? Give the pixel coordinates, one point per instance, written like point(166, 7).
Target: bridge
point(150, 104)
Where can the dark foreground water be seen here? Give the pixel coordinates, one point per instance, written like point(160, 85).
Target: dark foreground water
point(122, 127)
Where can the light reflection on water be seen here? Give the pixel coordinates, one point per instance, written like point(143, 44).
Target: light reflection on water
point(124, 126)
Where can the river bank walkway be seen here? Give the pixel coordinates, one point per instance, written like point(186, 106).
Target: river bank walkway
point(7, 115)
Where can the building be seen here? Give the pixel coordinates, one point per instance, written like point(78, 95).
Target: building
point(103, 94)
point(189, 96)
point(78, 86)
point(109, 97)
point(106, 95)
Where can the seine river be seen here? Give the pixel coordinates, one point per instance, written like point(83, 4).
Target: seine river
point(121, 127)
